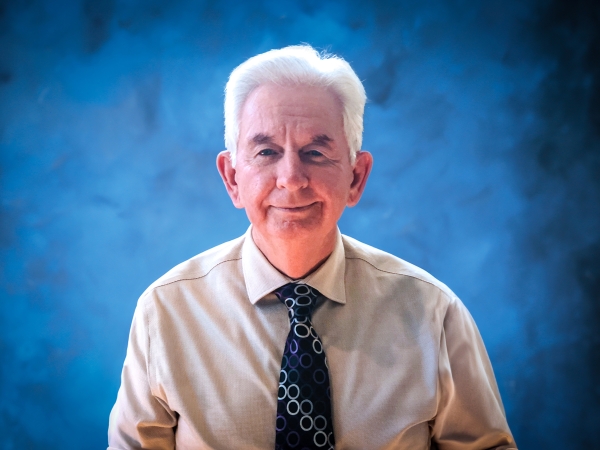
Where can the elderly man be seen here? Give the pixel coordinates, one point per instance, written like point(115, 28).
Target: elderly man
point(294, 336)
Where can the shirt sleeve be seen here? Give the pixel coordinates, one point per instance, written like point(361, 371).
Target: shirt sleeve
point(470, 413)
point(139, 419)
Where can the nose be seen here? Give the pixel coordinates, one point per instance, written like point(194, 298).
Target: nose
point(291, 172)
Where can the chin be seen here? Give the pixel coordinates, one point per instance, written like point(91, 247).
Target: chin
point(294, 229)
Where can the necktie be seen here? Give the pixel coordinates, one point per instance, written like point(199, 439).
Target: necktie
point(303, 400)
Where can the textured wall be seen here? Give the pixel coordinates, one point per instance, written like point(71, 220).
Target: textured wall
point(484, 119)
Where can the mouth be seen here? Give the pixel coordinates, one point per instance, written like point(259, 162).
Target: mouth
point(294, 209)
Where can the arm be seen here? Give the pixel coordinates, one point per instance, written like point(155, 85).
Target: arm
point(470, 414)
point(139, 419)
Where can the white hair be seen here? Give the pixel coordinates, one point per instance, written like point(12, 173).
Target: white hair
point(292, 66)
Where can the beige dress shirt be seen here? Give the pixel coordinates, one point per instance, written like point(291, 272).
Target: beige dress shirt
point(407, 365)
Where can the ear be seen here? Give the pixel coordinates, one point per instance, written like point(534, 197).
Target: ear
point(227, 172)
point(361, 171)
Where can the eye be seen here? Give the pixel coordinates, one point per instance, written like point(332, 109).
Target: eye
point(266, 152)
point(314, 153)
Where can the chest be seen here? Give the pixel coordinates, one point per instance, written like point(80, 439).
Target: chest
point(220, 374)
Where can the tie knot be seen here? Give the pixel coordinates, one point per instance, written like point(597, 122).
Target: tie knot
point(300, 300)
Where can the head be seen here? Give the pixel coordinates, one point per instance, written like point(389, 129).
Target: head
point(295, 66)
point(291, 161)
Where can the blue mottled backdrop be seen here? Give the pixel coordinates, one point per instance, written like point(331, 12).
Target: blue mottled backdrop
point(484, 119)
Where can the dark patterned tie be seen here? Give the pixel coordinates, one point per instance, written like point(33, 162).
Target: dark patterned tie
point(303, 401)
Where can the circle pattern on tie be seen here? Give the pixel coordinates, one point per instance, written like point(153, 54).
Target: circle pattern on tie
point(303, 400)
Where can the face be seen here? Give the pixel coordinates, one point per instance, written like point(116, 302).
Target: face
point(293, 173)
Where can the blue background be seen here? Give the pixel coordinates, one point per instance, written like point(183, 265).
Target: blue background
point(484, 120)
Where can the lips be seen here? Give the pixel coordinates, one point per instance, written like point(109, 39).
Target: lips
point(294, 208)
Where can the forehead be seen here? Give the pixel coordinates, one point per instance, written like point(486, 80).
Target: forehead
point(273, 110)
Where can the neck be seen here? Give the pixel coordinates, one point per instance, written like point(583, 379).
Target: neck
point(295, 258)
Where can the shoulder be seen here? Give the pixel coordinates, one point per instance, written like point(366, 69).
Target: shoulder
point(389, 266)
point(201, 265)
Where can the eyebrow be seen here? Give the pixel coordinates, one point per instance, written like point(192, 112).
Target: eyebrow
point(321, 139)
point(261, 138)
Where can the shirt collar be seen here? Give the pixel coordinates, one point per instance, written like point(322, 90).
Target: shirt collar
point(262, 278)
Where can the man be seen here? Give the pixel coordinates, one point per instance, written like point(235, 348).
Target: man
point(294, 336)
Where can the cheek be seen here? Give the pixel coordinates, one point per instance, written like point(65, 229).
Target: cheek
point(336, 187)
point(253, 188)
